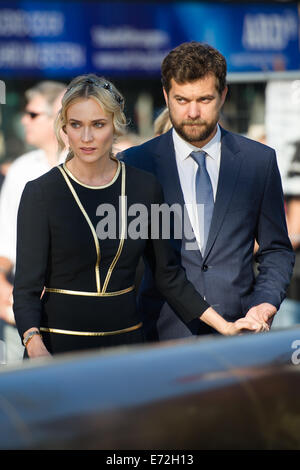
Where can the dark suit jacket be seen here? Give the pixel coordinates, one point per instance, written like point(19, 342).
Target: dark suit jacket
point(249, 205)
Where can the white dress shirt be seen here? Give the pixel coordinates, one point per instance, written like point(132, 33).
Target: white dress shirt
point(25, 168)
point(187, 169)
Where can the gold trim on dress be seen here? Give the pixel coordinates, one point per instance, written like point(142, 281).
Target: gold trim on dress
point(121, 165)
point(97, 272)
point(95, 187)
point(123, 228)
point(91, 333)
point(89, 294)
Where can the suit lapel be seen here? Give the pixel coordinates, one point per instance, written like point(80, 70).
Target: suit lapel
point(229, 170)
point(167, 173)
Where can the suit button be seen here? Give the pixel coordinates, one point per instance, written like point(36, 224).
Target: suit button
point(204, 267)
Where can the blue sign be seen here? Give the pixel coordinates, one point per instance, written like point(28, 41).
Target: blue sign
point(131, 39)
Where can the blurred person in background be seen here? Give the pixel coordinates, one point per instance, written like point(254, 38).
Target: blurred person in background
point(257, 132)
point(126, 141)
point(231, 188)
point(3, 170)
point(289, 312)
point(43, 103)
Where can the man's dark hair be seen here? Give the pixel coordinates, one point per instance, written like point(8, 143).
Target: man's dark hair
point(192, 61)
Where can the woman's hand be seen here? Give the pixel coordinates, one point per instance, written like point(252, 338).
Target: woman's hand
point(245, 325)
point(37, 348)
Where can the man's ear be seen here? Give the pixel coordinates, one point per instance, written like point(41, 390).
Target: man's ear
point(224, 94)
point(166, 97)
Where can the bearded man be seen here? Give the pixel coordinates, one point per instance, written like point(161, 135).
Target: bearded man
point(231, 189)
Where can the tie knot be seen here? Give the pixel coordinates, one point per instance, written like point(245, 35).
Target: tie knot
point(199, 157)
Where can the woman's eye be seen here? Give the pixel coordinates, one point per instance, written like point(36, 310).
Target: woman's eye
point(77, 125)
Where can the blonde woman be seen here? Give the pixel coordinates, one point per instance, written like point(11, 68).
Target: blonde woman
point(74, 288)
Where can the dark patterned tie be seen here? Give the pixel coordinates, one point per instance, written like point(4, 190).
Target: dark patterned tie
point(204, 196)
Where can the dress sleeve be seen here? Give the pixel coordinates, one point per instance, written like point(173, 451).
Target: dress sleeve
point(32, 256)
point(169, 275)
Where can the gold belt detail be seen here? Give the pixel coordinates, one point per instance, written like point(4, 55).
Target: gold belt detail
point(89, 294)
point(91, 333)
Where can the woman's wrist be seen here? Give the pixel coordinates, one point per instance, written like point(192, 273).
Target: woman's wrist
point(35, 345)
point(29, 335)
point(216, 321)
point(223, 327)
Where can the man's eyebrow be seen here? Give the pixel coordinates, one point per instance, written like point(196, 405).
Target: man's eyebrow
point(208, 95)
point(201, 97)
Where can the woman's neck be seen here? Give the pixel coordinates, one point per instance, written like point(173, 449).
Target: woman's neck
point(96, 173)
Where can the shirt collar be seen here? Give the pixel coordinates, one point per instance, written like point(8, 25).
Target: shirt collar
point(184, 148)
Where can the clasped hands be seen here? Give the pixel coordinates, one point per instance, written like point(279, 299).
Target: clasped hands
point(258, 319)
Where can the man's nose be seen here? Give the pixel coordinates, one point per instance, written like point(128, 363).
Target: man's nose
point(194, 110)
point(87, 134)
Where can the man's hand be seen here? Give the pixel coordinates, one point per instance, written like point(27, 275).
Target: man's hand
point(262, 313)
point(243, 325)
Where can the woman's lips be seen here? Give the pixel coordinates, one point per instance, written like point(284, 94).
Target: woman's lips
point(87, 149)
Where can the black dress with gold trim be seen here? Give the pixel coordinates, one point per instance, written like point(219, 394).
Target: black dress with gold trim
point(76, 262)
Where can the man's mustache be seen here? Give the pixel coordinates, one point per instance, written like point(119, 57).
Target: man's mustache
point(193, 123)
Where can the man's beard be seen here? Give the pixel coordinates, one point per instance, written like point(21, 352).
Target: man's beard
point(194, 131)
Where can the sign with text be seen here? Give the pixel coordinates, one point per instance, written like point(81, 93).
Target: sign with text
point(131, 39)
point(282, 120)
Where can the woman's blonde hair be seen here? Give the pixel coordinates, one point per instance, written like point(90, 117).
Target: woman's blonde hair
point(162, 123)
point(99, 89)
